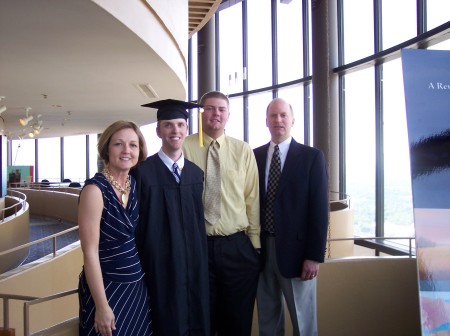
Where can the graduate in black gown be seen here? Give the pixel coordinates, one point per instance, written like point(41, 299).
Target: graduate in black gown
point(171, 235)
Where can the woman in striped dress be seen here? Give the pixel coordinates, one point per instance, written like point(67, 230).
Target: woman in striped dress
point(112, 293)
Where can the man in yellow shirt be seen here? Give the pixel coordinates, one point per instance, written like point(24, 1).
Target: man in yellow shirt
point(231, 217)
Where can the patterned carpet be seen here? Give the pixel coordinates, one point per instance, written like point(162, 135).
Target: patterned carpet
point(41, 227)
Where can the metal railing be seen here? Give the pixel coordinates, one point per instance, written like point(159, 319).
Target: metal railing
point(341, 201)
point(35, 300)
point(410, 239)
point(6, 298)
point(29, 301)
point(338, 201)
point(37, 241)
point(42, 185)
point(19, 206)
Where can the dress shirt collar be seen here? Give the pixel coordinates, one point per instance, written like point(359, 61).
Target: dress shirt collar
point(283, 146)
point(207, 140)
point(169, 162)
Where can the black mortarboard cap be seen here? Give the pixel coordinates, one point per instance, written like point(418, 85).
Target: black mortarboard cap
point(171, 108)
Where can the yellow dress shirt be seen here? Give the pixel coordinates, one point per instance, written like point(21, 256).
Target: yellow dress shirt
point(239, 185)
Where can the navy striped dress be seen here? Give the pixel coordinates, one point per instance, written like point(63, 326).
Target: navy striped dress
point(121, 269)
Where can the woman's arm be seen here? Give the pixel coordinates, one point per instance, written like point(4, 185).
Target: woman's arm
point(90, 210)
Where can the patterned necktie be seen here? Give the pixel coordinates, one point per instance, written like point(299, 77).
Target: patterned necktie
point(212, 185)
point(272, 187)
point(175, 172)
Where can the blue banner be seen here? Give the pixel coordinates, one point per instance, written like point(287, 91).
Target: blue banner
point(426, 75)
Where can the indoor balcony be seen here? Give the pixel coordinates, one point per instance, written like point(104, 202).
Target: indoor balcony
point(358, 293)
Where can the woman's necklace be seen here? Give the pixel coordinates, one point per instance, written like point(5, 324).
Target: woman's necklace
point(115, 184)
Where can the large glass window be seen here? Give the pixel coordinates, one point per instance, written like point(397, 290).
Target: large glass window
point(75, 158)
point(393, 32)
point(259, 44)
point(49, 162)
point(193, 120)
point(235, 124)
point(294, 96)
point(93, 154)
point(363, 111)
point(194, 68)
point(358, 29)
point(23, 152)
point(398, 208)
point(230, 46)
point(360, 148)
point(290, 41)
point(153, 142)
point(437, 13)
point(258, 132)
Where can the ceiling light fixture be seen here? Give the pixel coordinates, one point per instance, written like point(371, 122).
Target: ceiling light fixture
point(147, 90)
point(27, 119)
point(37, 126)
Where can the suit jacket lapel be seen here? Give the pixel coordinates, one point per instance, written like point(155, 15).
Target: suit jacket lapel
point(289, 165)
point(262, 168)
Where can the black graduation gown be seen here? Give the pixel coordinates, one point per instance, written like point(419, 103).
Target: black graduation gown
point(171, 241)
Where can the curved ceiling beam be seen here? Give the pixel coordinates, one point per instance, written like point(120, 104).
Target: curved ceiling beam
point(200, 12)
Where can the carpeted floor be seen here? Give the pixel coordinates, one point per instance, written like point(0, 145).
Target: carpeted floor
point(41, 227)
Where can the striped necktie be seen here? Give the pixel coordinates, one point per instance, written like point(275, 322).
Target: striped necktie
point(175, 172)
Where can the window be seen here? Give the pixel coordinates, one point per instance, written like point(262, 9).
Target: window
point(193, 59)
point(235, 122)
point(358, 29)
point(193, 89)
point(360, 149)
point(75, 158)
point(153, 142)
point(398, 207)
point(390, 16)
point(259, 44)
point(437, 13)
point(290, 41)
point(230, 46)
point(49, 162)
point(23, 153)
point(258, 132)
point(294, 96)
point(93, 155)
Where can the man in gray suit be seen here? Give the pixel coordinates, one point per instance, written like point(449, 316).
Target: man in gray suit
point(294, 222)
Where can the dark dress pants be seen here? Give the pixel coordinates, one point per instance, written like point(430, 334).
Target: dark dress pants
point(234, 267)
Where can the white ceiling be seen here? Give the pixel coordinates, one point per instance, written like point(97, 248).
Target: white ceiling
point(76, 66)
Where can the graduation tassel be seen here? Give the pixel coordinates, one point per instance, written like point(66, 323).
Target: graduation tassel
point(200, 127)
